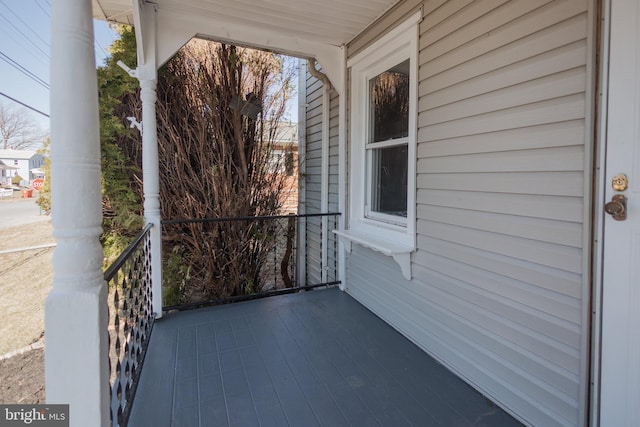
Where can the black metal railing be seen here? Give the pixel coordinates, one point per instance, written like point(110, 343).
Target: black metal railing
point(131, 319)
point(216, 260)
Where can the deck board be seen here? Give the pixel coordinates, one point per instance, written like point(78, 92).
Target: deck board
point(316, 358)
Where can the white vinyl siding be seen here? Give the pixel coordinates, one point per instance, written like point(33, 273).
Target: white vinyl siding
point(499, 291)
point(312, 180)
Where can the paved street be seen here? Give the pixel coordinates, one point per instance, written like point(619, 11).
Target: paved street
point(19, 212)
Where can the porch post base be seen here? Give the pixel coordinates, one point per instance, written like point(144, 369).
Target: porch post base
point(77, 348)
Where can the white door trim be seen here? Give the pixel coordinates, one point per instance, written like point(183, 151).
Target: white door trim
point(616, 345)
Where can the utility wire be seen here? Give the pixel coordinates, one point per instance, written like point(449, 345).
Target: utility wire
point(97, 43)
point(43, 9)
point(23, 104)
point(24, 35)
point(18, 42)
point(24, 23)
point(23, 70)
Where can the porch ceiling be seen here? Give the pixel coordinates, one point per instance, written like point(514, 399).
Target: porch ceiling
point(332, 22)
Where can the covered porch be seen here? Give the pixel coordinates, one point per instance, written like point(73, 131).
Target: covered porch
point(77, 317)
point(498, 270)
point(306, 359)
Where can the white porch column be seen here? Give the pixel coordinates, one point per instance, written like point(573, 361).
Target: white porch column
point(151, 179)
point(342, 171)
point(76, 357)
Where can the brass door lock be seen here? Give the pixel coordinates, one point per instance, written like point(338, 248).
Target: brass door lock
point(617, 207)
point(620, 182)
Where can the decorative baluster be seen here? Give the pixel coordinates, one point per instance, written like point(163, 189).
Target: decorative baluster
point(116, 346)
point(272, 238)
point(306, 252)
point(135, 333)
point(147, 281)
point(321, 243)
point(132, 319)
point(335, 249)
point(130, 338)
point(294, 253)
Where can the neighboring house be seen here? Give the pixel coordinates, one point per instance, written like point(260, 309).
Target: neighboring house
point(284, 158)
point(25, 161)
point(6, 173)
point(484, 155)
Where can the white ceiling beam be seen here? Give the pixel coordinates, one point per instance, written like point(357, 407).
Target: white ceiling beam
point(138, 28)
point(144, 17)
point(176, 30)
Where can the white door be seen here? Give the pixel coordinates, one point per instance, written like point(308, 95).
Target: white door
point(620, 333)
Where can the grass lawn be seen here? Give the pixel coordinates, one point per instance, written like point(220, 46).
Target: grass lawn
point(25, 281)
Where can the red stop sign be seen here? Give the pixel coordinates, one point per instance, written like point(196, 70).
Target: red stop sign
point(37, 183)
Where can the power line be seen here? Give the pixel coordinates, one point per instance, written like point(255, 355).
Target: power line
point(42, 8)
point(25, 36)
point(23, 48)
point(24, 105)
point(23, 70)
point(24, 23)
point(97, 43)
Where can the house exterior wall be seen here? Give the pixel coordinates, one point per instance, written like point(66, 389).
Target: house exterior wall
point(285, 148)
point(289, 196)
point(313, 176)
point(24, 161)
point(500, 287)
point(289, 193)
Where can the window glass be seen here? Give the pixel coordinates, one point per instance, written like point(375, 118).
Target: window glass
point(389, 124)
point(389, 180)
point(389, 103)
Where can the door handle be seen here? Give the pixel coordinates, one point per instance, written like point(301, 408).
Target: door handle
point(617, 207)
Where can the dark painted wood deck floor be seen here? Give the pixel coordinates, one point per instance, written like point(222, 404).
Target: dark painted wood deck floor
point(310, 359)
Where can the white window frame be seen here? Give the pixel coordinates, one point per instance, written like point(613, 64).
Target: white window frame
point(391, 235)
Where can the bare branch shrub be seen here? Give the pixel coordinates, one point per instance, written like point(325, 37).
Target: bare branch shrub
point(218, 108)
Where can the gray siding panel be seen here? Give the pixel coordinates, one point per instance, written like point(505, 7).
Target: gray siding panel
point(498, 291)
point(559, 208)
point(534, 183)
point(313, 179)
point(535, 160)
point(558, 134)
point(332, 243)
point(312, 162)
point(397, 14)
point(564, 83)
point(539, 278)
point(543, 230)
point(448, 336)
point(466, 343)
point(447, 88)
point(554, 110)
point(531, 34)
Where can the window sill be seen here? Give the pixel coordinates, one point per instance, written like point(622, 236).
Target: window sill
point(399, 252)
